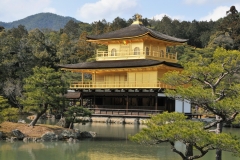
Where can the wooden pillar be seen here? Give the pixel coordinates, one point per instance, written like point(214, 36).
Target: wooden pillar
point(94, 79)
point(156, 101)
point(103, 101)
point(82, 78)
point(150, 52)
point(127, 102)
point(165, 103)
point(94, 99)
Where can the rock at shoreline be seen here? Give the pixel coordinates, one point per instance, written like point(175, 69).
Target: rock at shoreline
point(66, 134)
point(49, 136)
point(18, 134)
point(31, 139)
point(11, 139)
point(17, 131)
point(89, 134)
point(72, 140)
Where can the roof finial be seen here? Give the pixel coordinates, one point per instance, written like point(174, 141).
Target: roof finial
point(138, 19)
point(138, 16)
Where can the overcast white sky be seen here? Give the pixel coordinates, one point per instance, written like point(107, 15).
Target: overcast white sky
point(94, 10)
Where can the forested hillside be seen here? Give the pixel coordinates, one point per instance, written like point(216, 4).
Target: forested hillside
point(21, 49)
point(42, 21)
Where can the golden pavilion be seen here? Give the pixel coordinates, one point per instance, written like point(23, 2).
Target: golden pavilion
point(125, 76)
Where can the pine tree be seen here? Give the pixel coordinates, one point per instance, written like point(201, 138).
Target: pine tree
point(43, 90)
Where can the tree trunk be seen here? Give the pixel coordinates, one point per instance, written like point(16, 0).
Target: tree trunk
point(218, 131)
point(189, 150)
point(38, 115)
point(71, 123)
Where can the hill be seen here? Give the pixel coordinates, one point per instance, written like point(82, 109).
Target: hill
point(41, 21)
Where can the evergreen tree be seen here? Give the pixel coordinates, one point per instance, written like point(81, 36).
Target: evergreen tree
point(212, 83)
point(43, 90)
point(174, 127)
point(7, 113)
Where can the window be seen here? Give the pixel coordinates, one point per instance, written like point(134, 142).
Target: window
point(167, 50)
point(147, 51)
point(113, 52)
point(136, 51)
point(161, 53)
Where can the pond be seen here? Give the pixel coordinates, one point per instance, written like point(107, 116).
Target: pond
point(111, 143)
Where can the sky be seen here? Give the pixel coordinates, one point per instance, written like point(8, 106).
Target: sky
point(95, 10)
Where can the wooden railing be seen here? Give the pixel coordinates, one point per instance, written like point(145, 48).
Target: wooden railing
point(109, 111)
point(117, 85)
point(107, 55)
point(134, 112)
point(161, 55)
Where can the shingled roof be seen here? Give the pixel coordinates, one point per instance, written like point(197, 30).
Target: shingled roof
point(118, 64)
point(135, 30)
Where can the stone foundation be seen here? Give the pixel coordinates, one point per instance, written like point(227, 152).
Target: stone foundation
point(119, 120)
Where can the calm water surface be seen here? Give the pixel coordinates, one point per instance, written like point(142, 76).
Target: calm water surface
point(111, 144)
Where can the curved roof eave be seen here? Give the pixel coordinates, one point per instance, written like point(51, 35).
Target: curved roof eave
point(168, 40)
point(133, 31)
point(91, 40)
point(148, 33)
point(118, 64)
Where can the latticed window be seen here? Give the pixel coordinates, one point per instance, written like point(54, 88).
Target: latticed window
point(113, 52)
point(161, 53)
point(136, 51)
point(147, 51)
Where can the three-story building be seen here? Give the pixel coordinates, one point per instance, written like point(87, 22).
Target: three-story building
point(126, 75)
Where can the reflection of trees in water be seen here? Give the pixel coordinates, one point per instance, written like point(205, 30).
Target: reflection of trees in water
point(31, 154)
point(41, 150)
point(73, 151)
point(70, 148)
point(15, 145)
point(12, 150)
point(49, 145)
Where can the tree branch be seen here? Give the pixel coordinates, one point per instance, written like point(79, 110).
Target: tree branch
point(212, 124)
point(202, 151)
point(233, 116)
point(176, 151)
point(220, 78)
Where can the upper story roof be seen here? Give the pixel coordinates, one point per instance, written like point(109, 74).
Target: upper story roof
point(119, 64)
point(135, 30)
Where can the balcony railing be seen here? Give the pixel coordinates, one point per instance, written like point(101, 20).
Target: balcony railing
point(117, 85)
point(119, 55)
